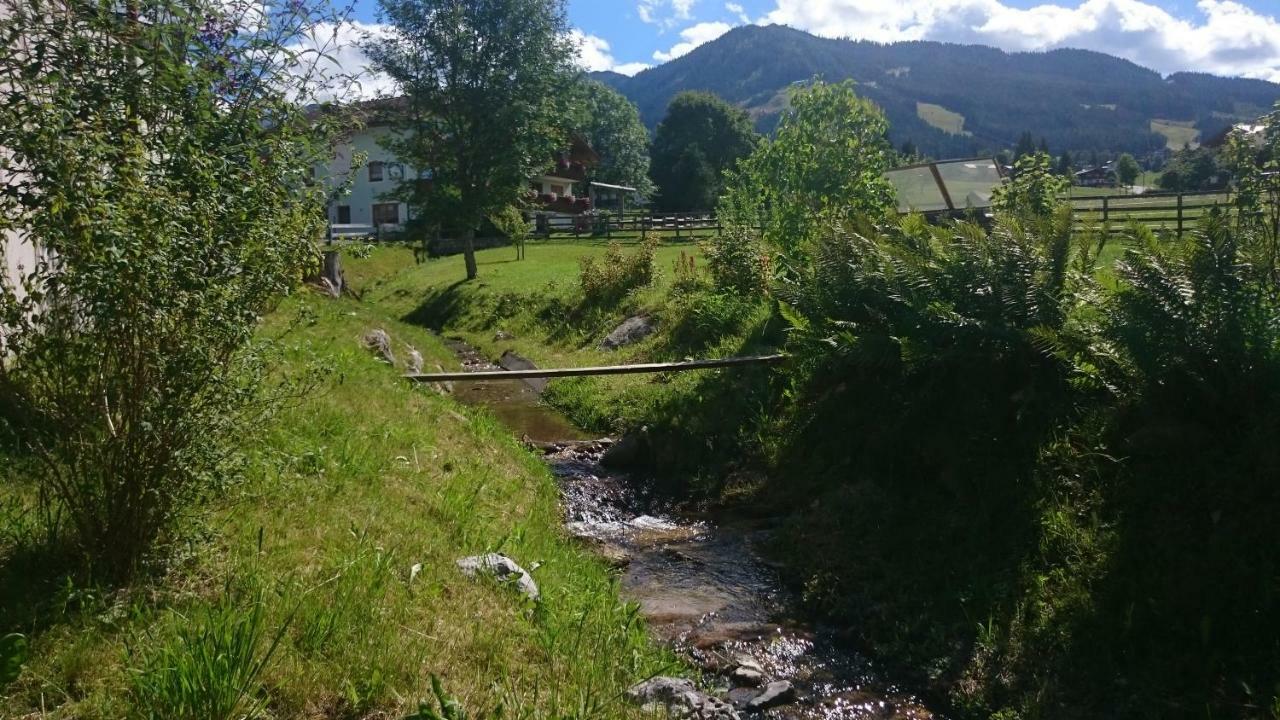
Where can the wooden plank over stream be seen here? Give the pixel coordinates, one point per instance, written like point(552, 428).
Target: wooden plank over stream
point(681, 366)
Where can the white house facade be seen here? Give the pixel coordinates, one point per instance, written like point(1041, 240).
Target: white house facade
point(359, 202)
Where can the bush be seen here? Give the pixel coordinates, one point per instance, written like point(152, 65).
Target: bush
point(738, 262)
point(172, 214)
point(605, 283)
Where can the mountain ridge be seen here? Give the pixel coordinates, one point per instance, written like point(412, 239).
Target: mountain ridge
point(1078, 100)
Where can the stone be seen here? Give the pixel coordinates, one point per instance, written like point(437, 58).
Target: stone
point(503, 335)
point(380, 342)
point(739, 697)
point(503, 568)
point(747, 674)
point(631, 451)
point(512, 361)
point(414, 365)
point(681, 699)
point(776, 693)
point(632, 330)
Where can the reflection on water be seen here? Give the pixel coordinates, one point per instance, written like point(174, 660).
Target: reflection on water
point(701, 585)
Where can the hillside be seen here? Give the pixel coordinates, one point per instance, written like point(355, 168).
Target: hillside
point(1076, 99)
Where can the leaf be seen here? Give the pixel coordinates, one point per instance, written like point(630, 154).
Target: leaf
point(14, 653)
point(793, 317)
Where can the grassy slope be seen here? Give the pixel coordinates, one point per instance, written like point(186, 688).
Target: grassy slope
point(362, 480)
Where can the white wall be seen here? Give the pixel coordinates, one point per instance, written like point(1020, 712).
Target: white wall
point(17, 254)
point(363, 193)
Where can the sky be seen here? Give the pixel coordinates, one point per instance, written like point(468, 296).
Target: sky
point(1225, 37)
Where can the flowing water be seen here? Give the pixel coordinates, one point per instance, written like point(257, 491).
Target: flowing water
point(702, 583)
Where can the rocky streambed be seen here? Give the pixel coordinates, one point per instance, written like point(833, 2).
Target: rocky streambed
point(703, 584)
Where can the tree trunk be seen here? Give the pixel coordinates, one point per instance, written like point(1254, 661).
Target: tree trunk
point(469, 251)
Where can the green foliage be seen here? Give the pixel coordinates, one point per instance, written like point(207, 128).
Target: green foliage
point(163, 169)
point(14, 653)
point(1034, 190)
point(607, 282)
point(1127, 169)
point(510, 221)
point(827, 160)
point(700, 138)
point(738, 262)
point(1193, 169)
point(611, 125)
point(211, 668)
point(486, 86)
point(450, 708)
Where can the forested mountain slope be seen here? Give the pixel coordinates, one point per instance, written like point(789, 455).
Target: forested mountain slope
point(955, 100)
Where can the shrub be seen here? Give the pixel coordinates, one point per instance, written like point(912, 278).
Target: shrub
point(605, 283)
point(685, 275)
point(172, 199)
point(738, 262)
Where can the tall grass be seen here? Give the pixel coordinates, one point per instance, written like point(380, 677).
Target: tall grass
point(211, 665)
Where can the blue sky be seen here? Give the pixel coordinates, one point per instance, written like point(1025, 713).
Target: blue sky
point(1226, 37)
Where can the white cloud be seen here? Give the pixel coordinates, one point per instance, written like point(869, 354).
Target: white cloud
point(665, 13)
point(1225, 37)
point(594, 55)
point(332, 57)
point(737, 11)
point(692, 37)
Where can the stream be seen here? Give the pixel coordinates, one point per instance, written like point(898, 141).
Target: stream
point(702, 583)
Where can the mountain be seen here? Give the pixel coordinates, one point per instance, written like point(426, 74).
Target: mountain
point(959, 100)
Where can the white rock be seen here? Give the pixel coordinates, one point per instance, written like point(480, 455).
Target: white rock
point(775, 693)
point(503, 568)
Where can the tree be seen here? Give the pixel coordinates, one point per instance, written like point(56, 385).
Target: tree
point(486, 90)
point(827, 159)
point(700, 138)
point(161, 160)
point(611, 124)
point(1026, 146)
point(1127, 170)
point(1065, 168)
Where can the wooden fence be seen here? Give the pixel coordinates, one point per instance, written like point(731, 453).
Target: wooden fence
point(1172, 211)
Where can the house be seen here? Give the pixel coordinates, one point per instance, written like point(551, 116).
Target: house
point(359, 202)
point(1100, 176)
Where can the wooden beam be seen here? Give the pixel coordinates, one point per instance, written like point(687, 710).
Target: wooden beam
point(603, 370)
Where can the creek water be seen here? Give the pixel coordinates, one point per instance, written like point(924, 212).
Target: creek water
point(703, 583)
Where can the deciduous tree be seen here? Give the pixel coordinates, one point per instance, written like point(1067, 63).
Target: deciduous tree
point(611, 124)
point(486, 90)
point(700, 138)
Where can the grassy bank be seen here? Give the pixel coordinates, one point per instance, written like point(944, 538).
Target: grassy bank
point(331, 564)
point(973, 508)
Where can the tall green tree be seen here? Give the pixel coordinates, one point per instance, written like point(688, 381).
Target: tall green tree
point(611, 124)
point(1127, 170)
point(1026, 146)
point(828, 157)
point(486, 89)
point(700, 138)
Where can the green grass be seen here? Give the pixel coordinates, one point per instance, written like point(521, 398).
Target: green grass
point(341, 541)
point(938, 116)
point(1177, 133)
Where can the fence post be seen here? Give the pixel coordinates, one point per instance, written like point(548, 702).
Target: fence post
point(1106, 203)
point(1179, 216)
point(677, 227)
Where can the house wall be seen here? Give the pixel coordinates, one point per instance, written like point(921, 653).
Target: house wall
point(363, 193)
point(17, 256)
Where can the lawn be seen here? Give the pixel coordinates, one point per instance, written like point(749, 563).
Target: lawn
point(1177, 133)
point(941, 118)
point(342, 534)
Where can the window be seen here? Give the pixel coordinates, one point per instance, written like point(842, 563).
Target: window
point(395, 171)
point(375, 171)
point(386, 214)
point(557, 189)
point(344, 214)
